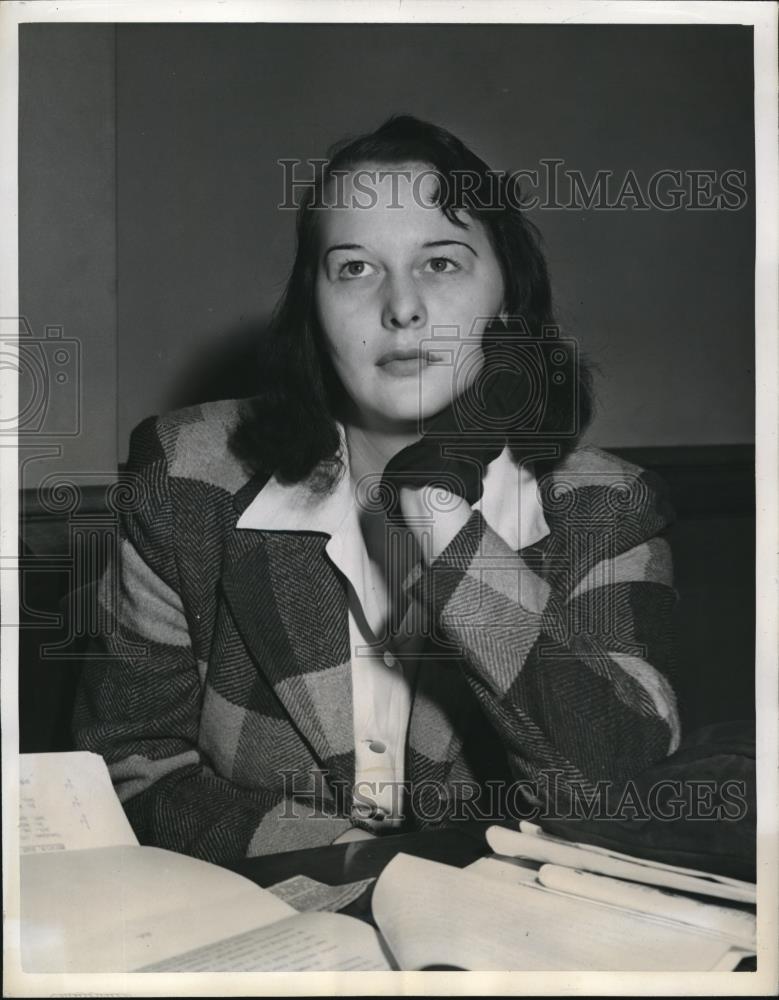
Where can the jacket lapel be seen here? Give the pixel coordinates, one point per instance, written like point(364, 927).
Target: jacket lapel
point(290, 608)
point(437, 720)
point(434, 730)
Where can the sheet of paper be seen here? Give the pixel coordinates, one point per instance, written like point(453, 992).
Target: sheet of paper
point(432, 915)
point(551, 850)
point(308, 942)
point(67, 803)
point(114, 909)
point(503, 870)
point(525, 826)
point(731, 960)
point(306, 894)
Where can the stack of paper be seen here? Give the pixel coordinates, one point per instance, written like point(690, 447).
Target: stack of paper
point(531, 843)
point(682, 898)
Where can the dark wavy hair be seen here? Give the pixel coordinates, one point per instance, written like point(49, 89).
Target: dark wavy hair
point(290, 427)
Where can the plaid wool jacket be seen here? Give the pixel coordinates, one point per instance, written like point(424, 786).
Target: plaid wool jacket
point(219, 688)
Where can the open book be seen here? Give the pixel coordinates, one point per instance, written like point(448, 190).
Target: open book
point(93, 900)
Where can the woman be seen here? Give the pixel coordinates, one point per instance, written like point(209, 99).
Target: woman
point(390, 590)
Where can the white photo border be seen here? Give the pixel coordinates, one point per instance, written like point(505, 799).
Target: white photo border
point(763, 16)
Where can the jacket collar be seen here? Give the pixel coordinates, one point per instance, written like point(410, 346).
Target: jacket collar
point(299, 507)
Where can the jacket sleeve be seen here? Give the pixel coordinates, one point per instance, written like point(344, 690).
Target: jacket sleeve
point(569, 655)
point(139, 699)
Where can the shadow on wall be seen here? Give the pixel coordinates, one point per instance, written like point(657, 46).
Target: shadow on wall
point(227, 368)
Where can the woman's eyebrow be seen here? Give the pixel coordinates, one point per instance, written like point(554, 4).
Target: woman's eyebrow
point(344, 246)
point(448, 243)
point(427, 245)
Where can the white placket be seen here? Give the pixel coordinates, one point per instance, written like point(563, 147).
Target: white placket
point(381, 686)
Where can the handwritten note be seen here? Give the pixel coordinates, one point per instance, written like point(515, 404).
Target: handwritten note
point(67, 803)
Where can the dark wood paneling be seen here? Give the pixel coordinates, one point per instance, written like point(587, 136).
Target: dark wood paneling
point(705, 481)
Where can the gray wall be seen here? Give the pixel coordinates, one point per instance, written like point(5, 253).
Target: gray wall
point(662, 301)
point(67, 249)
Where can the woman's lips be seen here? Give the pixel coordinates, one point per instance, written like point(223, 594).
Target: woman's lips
point(401, 365)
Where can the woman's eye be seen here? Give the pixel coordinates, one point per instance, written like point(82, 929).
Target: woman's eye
point(355, 269)
point(442, 265)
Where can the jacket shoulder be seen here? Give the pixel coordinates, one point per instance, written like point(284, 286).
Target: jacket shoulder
point(601, 486)
point(589, 465)
point(193, 443)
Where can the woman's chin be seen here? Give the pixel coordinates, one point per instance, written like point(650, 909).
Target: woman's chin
point(404, 408)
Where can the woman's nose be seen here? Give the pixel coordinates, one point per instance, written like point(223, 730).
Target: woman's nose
point(403, 306)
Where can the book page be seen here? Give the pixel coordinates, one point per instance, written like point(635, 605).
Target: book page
point(308, 942)
point(67, 802)
point(738, 926)
point(435, 915)
point(114, 909)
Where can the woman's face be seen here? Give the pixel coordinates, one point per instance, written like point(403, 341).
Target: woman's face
point(403, 295)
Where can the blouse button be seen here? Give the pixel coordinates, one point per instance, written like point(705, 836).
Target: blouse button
point(377, 746)
point(390, 660)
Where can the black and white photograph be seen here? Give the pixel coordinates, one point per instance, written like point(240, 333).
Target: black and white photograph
point(389, 498)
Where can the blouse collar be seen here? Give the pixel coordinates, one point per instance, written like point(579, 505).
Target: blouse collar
point(509, 503)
